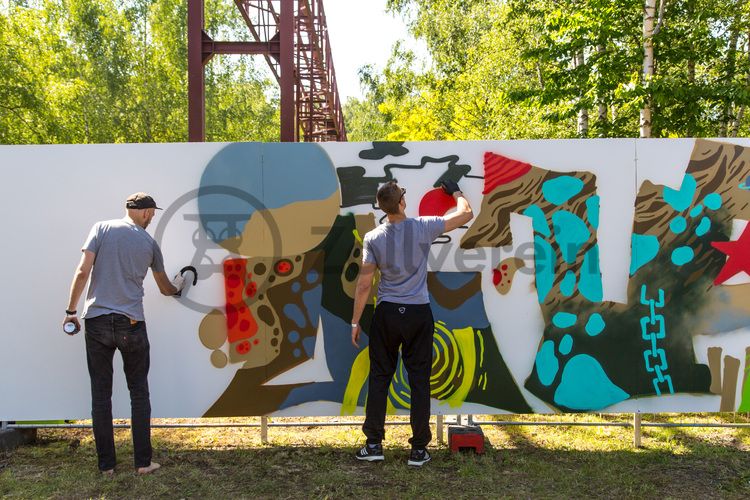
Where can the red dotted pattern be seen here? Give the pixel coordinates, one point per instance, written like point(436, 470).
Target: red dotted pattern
point(284, 267)
point(241, 324)
point(498, 275)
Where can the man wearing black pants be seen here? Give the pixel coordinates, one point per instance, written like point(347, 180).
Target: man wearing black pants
point(403, 319)
point(117, 255)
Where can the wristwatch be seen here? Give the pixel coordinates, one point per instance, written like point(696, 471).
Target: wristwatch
point(71, 313)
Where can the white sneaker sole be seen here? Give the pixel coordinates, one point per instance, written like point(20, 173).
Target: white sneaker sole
point(420, 463)
point(377, 458)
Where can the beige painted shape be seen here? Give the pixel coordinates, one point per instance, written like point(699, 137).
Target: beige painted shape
point(364, 223)
point(301, 226)
point(714, 366)
point(213, 330)
point(729, 384)
point(219, 359)
point(506, 277)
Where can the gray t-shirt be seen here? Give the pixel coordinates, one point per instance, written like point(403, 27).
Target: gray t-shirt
point(400, 251)
point(124, 252)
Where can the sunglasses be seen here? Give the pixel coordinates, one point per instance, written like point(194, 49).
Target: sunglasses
point(403, 192)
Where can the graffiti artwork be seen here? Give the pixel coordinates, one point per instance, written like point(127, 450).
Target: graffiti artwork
point(621, 284)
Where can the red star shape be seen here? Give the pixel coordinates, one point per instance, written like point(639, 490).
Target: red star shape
point(738, 252)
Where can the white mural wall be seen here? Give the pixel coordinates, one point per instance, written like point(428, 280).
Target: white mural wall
point(597, 275)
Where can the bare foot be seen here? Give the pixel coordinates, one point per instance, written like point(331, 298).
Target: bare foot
point(148, 470)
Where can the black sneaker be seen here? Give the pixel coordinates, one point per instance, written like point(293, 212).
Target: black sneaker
point(418, 458)
point(370, 453)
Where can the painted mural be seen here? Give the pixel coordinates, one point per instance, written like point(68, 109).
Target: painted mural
point(596, 276)
point(283, 299)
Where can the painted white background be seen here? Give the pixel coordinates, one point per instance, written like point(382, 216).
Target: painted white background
point(52, 195)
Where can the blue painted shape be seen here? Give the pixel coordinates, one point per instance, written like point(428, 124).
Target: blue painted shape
point(566, 345)
point(570, 234)
point(312, 299)
point(713, 201)
point(682, 255)
point(293, 312)
point(595, 325)
point(544, 267)
point(339, 359)
point(568, 283)
point(703, 226)
point(564, 319)
point(312, 276)
point(293, 336)
point(296, 287)
point(680, 200)
point(538, 219)
point(592, 209)
point(547, 364)
point(297, 353)
point(696, 211)
point(309, 345)
point(746, 184)
point(233, 182)
point(678, 225)
point(561, 189)
point(585, 386)
point(644, 249)
point(590, 284)
point(471, 311)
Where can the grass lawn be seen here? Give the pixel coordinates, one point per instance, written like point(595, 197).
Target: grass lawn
point(318, 462)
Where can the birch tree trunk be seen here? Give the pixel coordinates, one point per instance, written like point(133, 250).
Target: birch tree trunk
point(649, 8)
point(583, 113)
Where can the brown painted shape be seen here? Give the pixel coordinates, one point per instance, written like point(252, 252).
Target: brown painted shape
point(450, 298)
point(714, 365)
point(729, 383)
point(491, 227)
point(247, 396)
point(506, 275)
point(281, 295)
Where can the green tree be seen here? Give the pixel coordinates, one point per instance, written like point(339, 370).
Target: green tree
point(77, 71)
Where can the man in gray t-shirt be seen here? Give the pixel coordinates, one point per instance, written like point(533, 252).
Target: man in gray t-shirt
point(117, 255)
point(399, 248)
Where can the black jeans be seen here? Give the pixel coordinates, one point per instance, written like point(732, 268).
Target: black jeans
point(410, 327)
point(104, 334)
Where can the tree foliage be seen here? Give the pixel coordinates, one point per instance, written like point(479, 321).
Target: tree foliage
point(92, 71)
point(504, 69)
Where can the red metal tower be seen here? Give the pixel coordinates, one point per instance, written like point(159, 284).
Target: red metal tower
point(293, 37)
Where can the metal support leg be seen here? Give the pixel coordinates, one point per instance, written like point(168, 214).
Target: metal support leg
point(264, 430)
point(3, 425)
point(440, 429)
point(637, 430)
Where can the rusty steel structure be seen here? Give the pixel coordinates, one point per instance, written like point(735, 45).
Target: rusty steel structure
point(293, 37)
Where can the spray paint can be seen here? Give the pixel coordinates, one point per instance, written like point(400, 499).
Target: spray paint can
point(70, 328)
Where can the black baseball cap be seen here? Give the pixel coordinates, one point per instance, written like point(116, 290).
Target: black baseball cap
point(140, 200)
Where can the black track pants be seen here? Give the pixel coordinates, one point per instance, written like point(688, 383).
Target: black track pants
point(410, 327)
